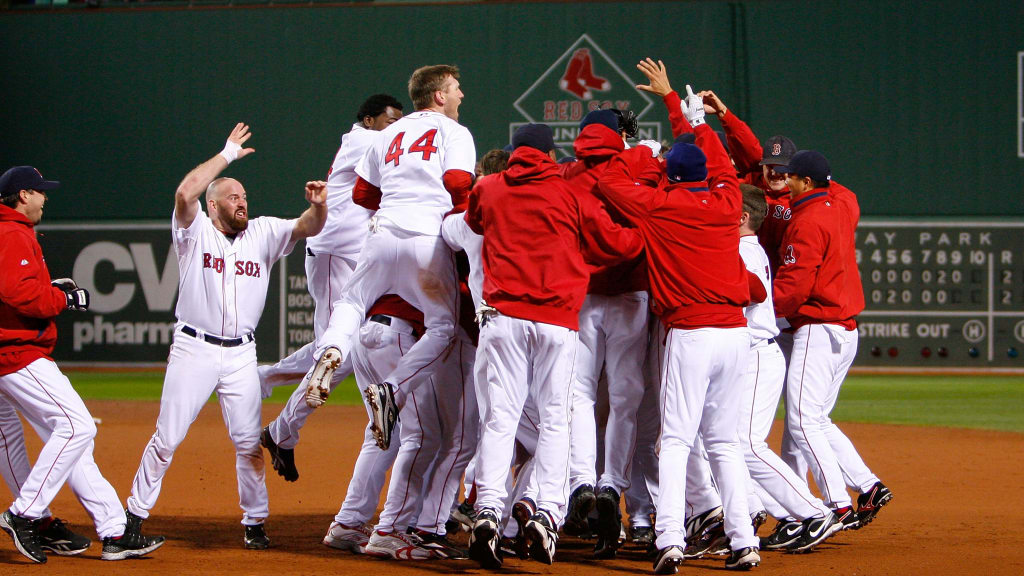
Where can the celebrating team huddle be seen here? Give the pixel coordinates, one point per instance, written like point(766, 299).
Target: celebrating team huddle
point(487, 310)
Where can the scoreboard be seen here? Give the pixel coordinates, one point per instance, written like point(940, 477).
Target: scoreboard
point(941, 295)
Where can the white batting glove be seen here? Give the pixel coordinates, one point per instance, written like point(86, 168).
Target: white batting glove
point(654, 145)
point(65, 284)
point(693, 108)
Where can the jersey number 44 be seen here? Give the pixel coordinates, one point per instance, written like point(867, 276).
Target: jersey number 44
point(423, 145)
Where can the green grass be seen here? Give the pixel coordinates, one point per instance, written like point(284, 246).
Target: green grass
point(988, 402)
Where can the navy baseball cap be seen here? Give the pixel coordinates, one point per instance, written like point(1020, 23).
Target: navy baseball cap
point(686, 163)
point(24, 178)
point(777, 150)
point(808, 163)
point(537, 136)
point(603, 116)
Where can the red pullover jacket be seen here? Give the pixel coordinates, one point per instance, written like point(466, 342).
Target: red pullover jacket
point(538, 239)
point(747, 153)
point(813, 283)
point(28, 303)
point(595, 147)
point(691, 235)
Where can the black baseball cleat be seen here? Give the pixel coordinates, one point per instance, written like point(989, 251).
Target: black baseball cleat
point(815, 531)
point(786, 532)
point(581, 502)
point(132, 543)
point(711, 541)
point(743, 559)
point(542, 537)
point(668, 560)
point(383, 411)
point(869, 503)
point(522, 511)
point(283, 459)
point(641, 536)
point(256, 537)
point(56, 537)
point(440, 545)
point(484, 542)
point(848, 517)
point(699, 523)
point(609, 523)
point(25, 534)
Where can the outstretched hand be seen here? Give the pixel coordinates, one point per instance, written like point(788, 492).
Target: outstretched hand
point(657, 75)
point(316, 192)
point(236, 139)
point(712, 103)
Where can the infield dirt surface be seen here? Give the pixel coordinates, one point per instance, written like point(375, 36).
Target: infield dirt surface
point(957, 507)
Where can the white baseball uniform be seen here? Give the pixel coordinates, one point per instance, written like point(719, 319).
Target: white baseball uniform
point(763, 387)
point(330, 261)
point(408, 164)
point(93, 491)
point(643, 486)
point(222, 289)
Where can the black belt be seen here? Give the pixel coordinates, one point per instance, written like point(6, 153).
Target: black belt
point(771, 340)
point(386, 320)
point(226, 342)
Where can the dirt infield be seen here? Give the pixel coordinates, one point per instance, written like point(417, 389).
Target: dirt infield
point(958, 496)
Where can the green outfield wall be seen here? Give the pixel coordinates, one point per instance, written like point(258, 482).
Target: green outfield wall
point(917, 104)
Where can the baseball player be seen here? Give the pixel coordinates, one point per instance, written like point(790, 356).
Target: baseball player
point(330, 260)
point(699, 287)
point(528, 214)
point(224, 262)
point(31, 383)
point(817, 291)
point(420, 168)
point(790, 499)
point(612, 338)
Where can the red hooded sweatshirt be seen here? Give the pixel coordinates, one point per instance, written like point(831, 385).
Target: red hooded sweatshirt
point(813, 284)
point(595, 147)
point(28, 303)
point(538, 239)
point(691, 235)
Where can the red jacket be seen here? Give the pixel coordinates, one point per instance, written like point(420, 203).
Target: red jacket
point(847, 200)
point(28, 303)
point(691, 235)
point(596, 145)
point(538, 238)
point(813, 283)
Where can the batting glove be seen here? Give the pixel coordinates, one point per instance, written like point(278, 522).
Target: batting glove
point(77, 299)
point(654, 145)
point(65, 284)
point(693, 108)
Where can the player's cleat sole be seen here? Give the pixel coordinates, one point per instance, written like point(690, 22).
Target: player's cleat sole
point(384, 412)
point(668, 560)
point(319, 386)
point(743, 559)
point(609, 523)
point(484, 543)
point(348, 538)
point(541, 537)
point(282, 459)
point(25, 534)
point(870, 502)
point(522, 511)
point(56, 537)
point(581, 502)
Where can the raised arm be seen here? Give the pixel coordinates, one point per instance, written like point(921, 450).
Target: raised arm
point(744, 147)
point(196, 181)
point(657, 75)
point(311, 222)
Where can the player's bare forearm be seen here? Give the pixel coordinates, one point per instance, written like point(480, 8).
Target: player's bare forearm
point(312, 221)
point(196, 181)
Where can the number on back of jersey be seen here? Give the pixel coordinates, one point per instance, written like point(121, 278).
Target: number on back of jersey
point(424, 145)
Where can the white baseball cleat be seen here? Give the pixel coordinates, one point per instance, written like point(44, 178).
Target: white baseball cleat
point(396, 545)
point(319, 386)
point(351, 538)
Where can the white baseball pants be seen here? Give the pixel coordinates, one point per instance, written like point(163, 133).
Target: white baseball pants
point(613, 336)
point(196, 369)
point(376, 352)
point(421, 270)
point(526, 358)
point(822, 355)
point(643, 486)
point(460, 424)
point(789, 494)
point(700, 384)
